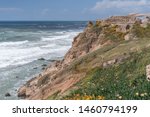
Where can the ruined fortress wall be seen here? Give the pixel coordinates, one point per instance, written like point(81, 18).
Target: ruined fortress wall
point(130, 19)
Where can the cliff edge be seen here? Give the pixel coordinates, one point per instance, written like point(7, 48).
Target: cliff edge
point(102, 44)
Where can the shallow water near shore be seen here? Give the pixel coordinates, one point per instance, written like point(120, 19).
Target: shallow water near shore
point(23, 43)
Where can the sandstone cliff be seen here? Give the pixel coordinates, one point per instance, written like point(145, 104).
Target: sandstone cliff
point(90, 49)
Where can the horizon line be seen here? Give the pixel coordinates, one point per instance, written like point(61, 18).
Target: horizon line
point(45, 20)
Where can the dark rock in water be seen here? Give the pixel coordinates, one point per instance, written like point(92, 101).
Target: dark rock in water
point(43, 68)
point(7, 95)
point(41, 59)
point(44, 65)
point(51, 60)
point(35, 68)
point(17, 76)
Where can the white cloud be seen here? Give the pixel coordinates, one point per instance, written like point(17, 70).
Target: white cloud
point(106, 4)
point(45, 11)
point(10, 9)
point(65, 10)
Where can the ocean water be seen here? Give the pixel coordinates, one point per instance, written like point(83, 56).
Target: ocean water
point(22, 44)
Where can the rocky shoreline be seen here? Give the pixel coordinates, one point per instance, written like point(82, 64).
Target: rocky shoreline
point(61, 75)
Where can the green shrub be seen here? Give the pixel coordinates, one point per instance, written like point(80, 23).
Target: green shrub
point(141, 32)
point(124, 81)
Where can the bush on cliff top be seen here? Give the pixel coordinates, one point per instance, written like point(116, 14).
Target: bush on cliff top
point(141, 32)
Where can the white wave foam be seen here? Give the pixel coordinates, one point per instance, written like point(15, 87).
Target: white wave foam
point(10, 56)
point(23, 52)
point(51, 38)
point(49, 45)
point(62, 32)
point(57, 36)
point(13, 43)
point(19, 56)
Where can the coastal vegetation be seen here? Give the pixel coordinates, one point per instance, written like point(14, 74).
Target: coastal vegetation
point(107, 61)
point(126, 80)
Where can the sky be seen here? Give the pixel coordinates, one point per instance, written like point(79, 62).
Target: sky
point(69, 10)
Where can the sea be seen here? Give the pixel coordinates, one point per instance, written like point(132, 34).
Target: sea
point(26, 47)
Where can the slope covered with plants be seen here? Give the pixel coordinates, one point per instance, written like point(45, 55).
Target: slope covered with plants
point(106, 61)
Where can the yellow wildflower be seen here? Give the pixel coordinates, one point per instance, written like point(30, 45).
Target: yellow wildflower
point(100, 97)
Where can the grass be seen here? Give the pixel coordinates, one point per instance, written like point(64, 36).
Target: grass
point(106, 53)
point(54, 96)
point(112, 34)
point(141, 32)
point(125, 81)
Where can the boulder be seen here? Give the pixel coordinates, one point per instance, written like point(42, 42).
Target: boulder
point(22, 92)
point(7, 95)
point(148, 72)
point(41, 59)
point(90, 24)
point(35, 68)
point(44, 65)
point(127, 37)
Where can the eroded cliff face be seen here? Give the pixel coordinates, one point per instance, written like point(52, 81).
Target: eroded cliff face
point(60, 76)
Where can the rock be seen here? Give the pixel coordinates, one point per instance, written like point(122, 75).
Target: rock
point(105, 64)
point(98, 23)
point(52, 60)
point(109, 63)
point(17, 76)
point(90, 24)
point(44, 65)
point(35, 68)
point(61, 75)
point(112, 61)
point(41, 59)
point(43, 68)
point(7, 95)
point(148, 72)
point(127, 37)
point(22, 92)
